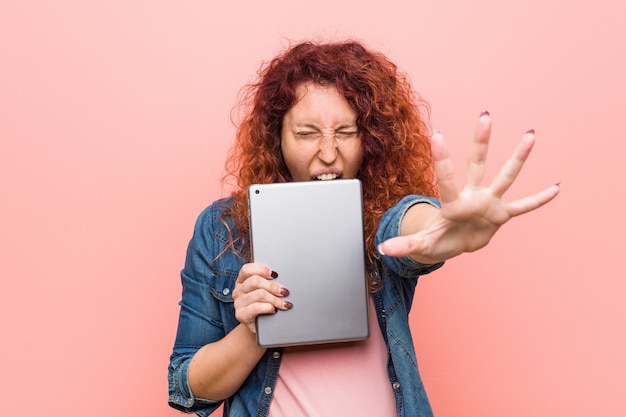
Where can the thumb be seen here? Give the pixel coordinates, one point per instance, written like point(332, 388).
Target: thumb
point(400, 246)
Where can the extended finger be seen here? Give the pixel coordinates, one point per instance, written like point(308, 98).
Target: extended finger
point(401, 246)
point(418, 246)
point(444, 170)
point(533, 202)
point(478, 152)
point(511, 169)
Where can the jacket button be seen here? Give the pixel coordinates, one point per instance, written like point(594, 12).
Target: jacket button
point(396, 385)
point(276, 355)
point(268, 390)
point(225, 291)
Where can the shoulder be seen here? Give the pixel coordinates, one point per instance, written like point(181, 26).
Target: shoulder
point(215, 209)
point(215, 232)
point(213, 219)
point(211, 230)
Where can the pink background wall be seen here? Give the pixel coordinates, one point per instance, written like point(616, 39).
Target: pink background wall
point(114, 123)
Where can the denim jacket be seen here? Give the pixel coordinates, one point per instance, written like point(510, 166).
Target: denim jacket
point(207, 315)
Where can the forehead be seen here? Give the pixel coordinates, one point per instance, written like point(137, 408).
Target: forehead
point(320, 104)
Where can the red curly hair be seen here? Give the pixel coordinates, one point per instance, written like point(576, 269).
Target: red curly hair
point(390, 117)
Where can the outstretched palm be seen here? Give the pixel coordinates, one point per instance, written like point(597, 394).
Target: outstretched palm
point(468, 219)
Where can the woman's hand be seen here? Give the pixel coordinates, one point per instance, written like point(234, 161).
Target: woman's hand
point(256, 293)
point(468, 219)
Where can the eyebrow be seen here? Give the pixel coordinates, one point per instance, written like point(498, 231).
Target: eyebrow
point(314, 126)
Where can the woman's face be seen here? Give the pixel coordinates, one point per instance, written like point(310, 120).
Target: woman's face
point(320, 139)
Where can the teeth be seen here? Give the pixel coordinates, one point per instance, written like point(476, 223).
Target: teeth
point(326, 177)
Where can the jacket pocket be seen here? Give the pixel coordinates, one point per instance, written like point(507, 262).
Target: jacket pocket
point(221, 289)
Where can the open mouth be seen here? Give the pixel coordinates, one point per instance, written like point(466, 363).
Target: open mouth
point(326, 177)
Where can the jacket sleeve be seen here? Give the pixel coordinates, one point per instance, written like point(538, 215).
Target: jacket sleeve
point(200, 319)
point(389, 227)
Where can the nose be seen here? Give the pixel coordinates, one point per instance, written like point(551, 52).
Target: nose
point(328, 148)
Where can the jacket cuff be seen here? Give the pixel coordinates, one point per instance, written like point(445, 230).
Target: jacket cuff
point(389, 227)
point(181, 397)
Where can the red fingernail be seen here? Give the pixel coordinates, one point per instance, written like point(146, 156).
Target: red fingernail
point(274, 274)
point(288, 305)
point(485, 113)
point(284, 291)
point(530, 131)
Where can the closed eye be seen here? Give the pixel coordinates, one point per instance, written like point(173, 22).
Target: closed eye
point(308, 135)
point(346, 134)
point(316, 134)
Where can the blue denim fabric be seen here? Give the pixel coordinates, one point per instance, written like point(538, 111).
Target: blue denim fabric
point(207, 315)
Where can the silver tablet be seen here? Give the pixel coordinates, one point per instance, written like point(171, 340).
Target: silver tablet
point(311, 233)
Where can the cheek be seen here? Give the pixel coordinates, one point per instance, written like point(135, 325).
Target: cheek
point(357, 155)
point(286, 148)
point(295, 158)
point(353, 159)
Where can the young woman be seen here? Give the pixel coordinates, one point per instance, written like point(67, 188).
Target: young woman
point(322, 112)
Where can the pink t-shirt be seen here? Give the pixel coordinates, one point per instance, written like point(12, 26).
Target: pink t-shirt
point(340, 379)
